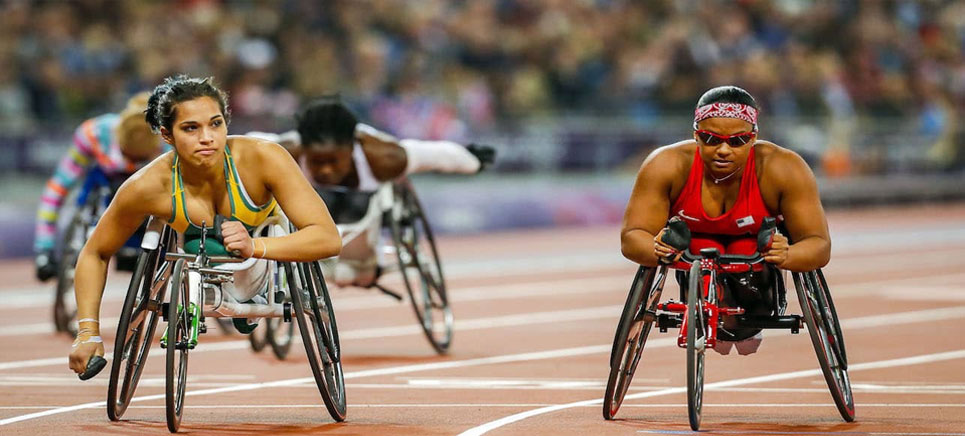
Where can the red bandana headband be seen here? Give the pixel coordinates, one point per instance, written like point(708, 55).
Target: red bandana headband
point(726, 110)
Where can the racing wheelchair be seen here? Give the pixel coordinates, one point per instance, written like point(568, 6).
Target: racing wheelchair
point(194, 282)
point(701, 318)
point(91, 201)
point(394, 210)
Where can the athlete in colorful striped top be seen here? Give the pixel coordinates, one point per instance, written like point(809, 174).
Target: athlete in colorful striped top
point(116, 145)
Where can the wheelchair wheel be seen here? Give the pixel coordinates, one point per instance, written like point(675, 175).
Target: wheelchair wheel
point(696, 346)
point(316, 323)
point(178, 335)
point(65, 306)
point(637, 319)
point(226, 327)
point(420, 267)
point(137, 324)
point(259, 338)
point(279, 333)
point(825, 331)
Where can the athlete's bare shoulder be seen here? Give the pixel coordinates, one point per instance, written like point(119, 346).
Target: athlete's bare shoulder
point(669, 160)
point(252, 150)
point(149, 189)
point(781, 166)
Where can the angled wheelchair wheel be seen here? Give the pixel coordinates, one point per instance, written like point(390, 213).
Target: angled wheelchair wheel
point(316, 323)
point(639, 314)
point(137, 325)
point(420, 267)
point(696, 346)
point(279, 333)
point(65, 305)
point(259, 338)
point(827, 338)
point(179, 326)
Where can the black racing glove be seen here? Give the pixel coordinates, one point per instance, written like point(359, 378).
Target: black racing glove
point(46, 266)
point(485, 153)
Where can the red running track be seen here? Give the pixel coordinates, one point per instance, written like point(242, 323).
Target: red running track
point(536, 312)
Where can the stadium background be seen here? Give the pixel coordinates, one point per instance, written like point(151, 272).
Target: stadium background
point(572, 93)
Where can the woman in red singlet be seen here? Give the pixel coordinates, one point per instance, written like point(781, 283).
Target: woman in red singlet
point(722, 183)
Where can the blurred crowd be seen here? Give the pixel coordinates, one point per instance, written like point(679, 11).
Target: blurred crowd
point(448, 69)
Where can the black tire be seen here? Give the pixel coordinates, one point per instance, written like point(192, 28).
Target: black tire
point(176, 367)
point(259, 338)
point(279, 335)
point(841, 350)
point(416, 249)
point(316, 323)
point(696, 346)
point(826, 337)
point(278, 332)
point(65, 305)
point(639, 313)
point(137, 324)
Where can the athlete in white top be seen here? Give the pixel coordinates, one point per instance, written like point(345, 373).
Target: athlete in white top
point(335, 150)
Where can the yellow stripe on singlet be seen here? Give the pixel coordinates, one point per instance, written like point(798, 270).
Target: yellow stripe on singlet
point(241, 207)
point(179, 216)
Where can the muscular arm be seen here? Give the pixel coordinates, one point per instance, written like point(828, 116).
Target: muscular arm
point(803, 214)
point(649, 206)
point(317, 237)
point(125, 214)
point(386, 157)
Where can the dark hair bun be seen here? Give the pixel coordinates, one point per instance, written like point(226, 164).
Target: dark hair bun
point(727, 94)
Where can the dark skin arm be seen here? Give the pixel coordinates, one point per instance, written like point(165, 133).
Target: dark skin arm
point(799, 202)
point(386, 157)
point(648, 209)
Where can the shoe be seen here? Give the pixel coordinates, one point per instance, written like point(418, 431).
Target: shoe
point(245, 325)
point(241, 324)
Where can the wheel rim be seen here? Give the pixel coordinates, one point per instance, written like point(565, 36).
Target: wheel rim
point(696, 346)
point(320, 342)
point(146, 292)
point(177, 347)
point(65, 306)
point(421, 270)
point(641, 318)
point(820, 320)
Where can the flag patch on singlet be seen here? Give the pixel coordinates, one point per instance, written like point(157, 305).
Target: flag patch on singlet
point(746, 221)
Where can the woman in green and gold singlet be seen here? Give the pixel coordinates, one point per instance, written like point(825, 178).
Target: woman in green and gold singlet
point(207, 174)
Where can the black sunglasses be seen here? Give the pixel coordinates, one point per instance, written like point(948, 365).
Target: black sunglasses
point(736, 140)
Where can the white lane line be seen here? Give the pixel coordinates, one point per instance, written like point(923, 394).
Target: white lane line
point(923, 315)
point(601, 312)
point(795, 433)
point(548, 317)
point(915, 360)
point(540, 355)
point(540, 288)
point(514, 405)
point(42, 296)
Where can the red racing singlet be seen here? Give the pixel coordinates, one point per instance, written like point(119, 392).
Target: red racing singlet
point(733, 232)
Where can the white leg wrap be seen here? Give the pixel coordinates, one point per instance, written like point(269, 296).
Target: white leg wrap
point(439, 156)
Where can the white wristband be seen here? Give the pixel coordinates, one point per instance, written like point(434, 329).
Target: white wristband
point(90, 340)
